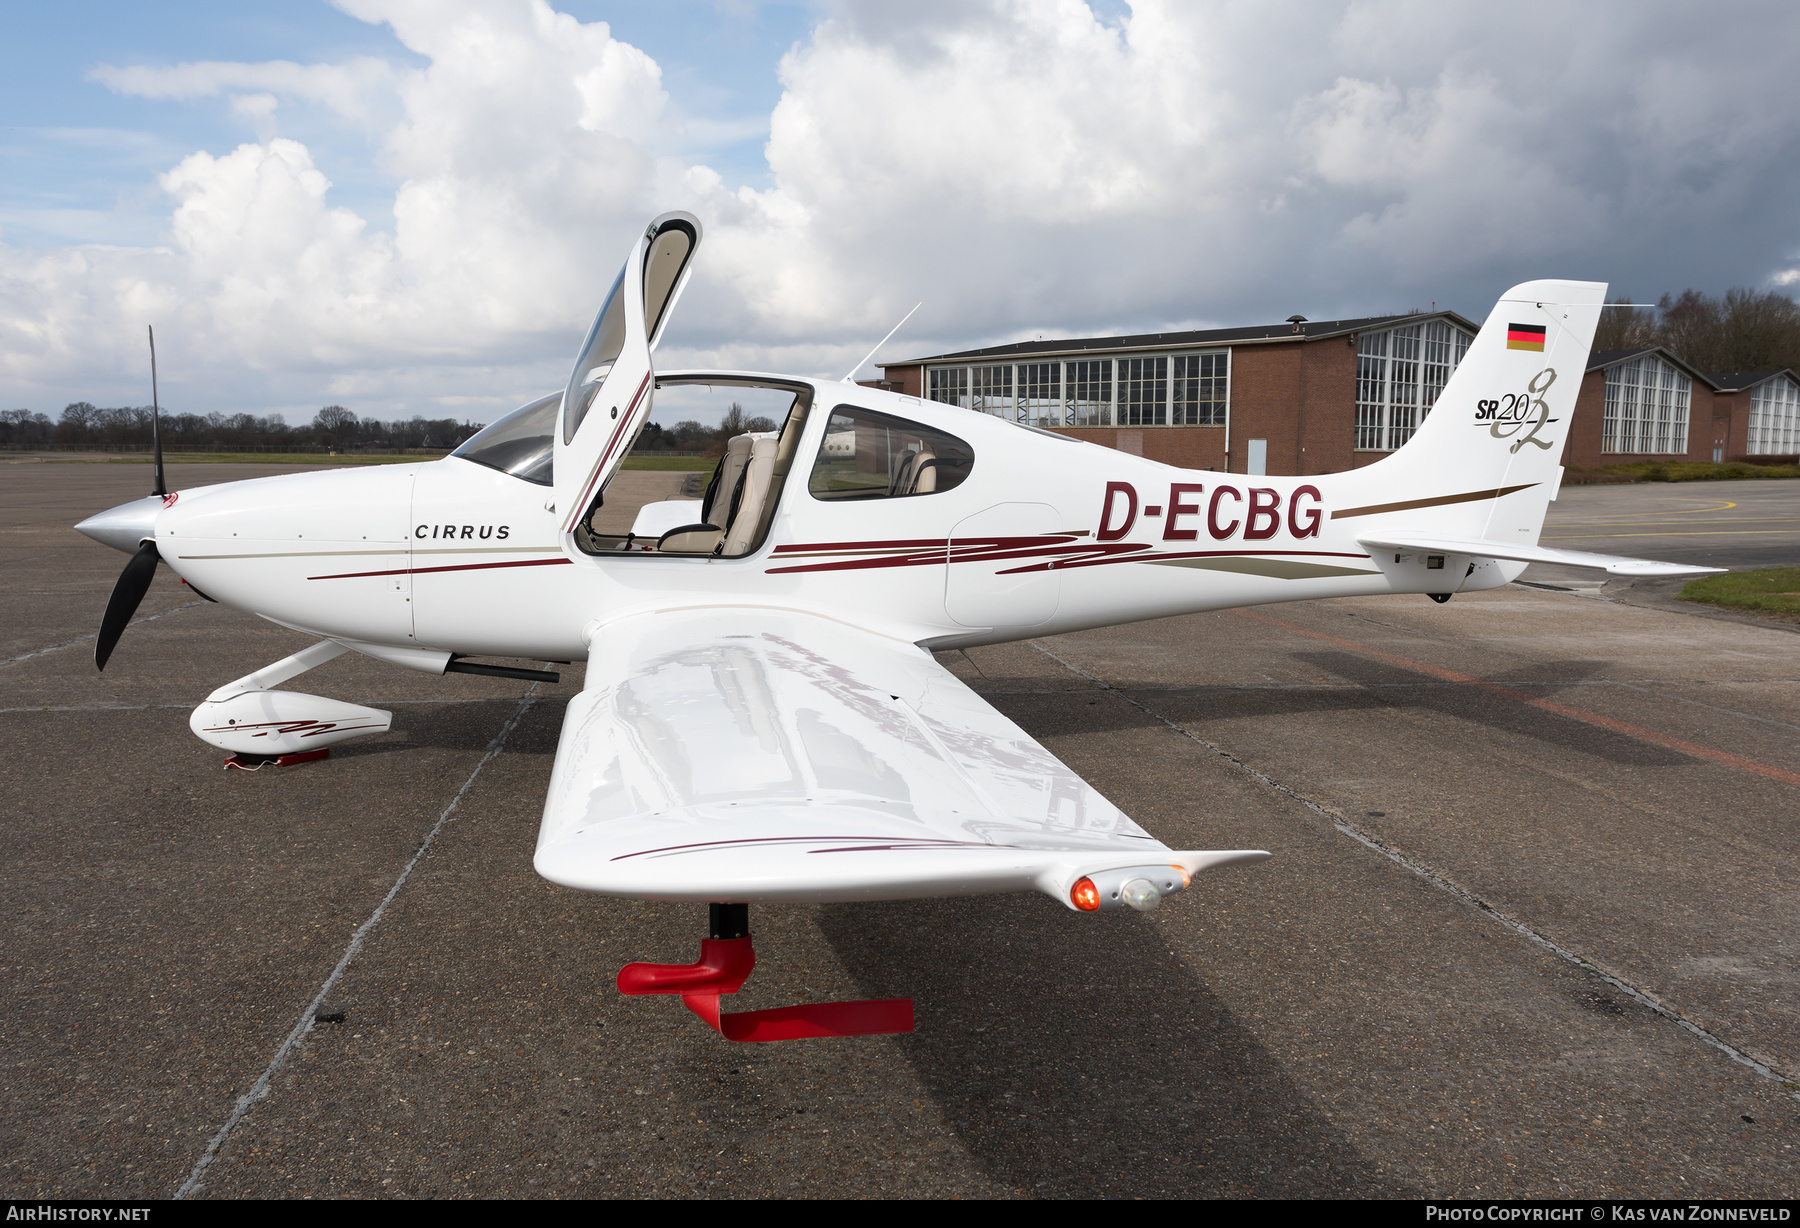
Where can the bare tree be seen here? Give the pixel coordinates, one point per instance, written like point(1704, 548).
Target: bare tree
point(1625, 328)
point(1742, 330)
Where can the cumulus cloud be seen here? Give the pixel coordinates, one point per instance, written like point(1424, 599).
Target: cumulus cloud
point(1021, 165)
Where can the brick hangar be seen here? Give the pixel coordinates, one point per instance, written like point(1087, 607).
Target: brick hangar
point(1304, 397)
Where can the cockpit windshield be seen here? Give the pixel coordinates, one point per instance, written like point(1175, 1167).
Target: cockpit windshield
point(522, 443)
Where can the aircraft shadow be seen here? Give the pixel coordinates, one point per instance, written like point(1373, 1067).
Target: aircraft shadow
point(1077, 1056)
point(459, 726)
point(1465, 703)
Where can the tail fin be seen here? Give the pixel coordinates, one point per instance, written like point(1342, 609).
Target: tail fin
point(1501, 420)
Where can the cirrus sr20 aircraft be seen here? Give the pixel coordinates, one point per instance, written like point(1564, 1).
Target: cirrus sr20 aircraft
point(762, 718)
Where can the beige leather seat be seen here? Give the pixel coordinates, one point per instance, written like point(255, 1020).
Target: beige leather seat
point(759, 475)
point(737, 455)
point(917, 474)
point(738, 501)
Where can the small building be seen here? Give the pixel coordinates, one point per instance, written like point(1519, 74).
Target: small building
point(1767, 426)
point(1306, 397)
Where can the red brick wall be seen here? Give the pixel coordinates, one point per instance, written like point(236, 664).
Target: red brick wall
point(1726, 428)
point(1268, 383)
point(1582, 448)
point(1190, 447)
point(1329, 426)
point(912, 379)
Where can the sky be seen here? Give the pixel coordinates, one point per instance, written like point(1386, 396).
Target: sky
point(411, 207)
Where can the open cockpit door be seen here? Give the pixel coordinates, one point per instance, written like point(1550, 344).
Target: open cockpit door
point(612, 384)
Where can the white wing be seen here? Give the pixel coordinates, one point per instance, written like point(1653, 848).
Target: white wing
point(749, 755)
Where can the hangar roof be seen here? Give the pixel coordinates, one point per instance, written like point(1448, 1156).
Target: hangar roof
point(1737, 381)
point(1601, 359)
point(1721, 381)
point(1314, 330)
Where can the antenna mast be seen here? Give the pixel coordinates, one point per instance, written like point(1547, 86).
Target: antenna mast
point(882, 342)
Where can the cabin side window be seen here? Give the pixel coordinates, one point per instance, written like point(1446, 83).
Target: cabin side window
point(869, 455)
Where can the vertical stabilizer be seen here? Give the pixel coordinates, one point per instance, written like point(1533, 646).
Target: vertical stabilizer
point(1502, 418)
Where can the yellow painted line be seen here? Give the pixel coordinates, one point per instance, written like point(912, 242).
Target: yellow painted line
point(1618, 524)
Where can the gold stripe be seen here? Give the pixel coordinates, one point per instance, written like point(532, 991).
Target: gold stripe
point(1279, 569)
point(1408, 505)
point(336, 554)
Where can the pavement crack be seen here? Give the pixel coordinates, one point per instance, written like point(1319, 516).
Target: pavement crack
point(82, 639)
point(1630, 686)
point(1375, 844)
point(309, 1016)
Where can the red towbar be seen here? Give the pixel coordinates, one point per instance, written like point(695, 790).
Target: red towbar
point(725, 963)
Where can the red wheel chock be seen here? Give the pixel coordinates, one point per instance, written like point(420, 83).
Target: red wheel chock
point(724, 965)
point(251, 763)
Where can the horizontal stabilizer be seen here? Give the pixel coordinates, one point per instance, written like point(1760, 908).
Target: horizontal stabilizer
point(1473, 547)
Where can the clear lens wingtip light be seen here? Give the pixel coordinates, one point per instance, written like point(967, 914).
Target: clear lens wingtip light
point(1141, 894)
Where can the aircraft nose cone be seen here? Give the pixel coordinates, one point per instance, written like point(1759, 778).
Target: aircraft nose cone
point(124, 526)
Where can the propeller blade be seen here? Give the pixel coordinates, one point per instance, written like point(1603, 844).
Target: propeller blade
point(133, 583)
point(155, 423)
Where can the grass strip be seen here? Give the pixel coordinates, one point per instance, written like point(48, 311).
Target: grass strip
point(1677, 471)
point(672, 464)
point(252, 458)
point(1772, 590)
point(661, 464)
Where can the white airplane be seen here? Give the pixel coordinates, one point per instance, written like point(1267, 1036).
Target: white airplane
point(762, 718)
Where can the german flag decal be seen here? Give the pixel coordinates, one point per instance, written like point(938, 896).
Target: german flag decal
point(1525, 337)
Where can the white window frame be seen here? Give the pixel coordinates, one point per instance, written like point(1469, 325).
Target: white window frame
point(1400, 373)
point(1775, 417)
point(1196, 363)
point(1000, 389)
point(1043, 404)
point(951, 380)
point(1647, 408)
point(1101, 410)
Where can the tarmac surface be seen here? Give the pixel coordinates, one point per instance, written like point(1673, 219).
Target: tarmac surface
point(1529, 930)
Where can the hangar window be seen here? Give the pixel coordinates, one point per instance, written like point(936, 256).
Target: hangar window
point(950, 385)
point(1199, 395)
point(1775, 417)
point(1400, 372)
point(1040, 393)
point(520, 443)
point(866, 455)
point(1646, 406)
point(991, 390)
point(1151, 390)
point(1090, 393)
point(1143, 391)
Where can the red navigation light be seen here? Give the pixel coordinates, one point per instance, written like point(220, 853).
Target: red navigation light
point(1084, 895)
